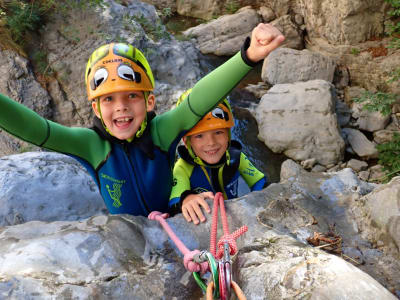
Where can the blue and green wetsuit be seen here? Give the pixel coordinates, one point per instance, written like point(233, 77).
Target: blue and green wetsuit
point(192, 178)
point(133, 177)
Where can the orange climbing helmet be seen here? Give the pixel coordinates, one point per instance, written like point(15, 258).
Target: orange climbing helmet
point(117, 67)
point(219, 117)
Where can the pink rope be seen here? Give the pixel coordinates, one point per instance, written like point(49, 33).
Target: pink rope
point(226, 238)
point(188, 262)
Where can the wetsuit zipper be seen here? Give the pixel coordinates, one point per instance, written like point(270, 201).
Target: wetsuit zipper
point(126, 150)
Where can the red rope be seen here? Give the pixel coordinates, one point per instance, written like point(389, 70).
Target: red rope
point(226, 238)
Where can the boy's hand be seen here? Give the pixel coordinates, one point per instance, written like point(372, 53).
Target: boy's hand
point(191, 209)
point(264, 39)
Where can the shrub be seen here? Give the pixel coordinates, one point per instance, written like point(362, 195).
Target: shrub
point(379, 101)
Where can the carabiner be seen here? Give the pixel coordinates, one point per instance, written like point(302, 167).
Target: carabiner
point(214, 272)
point(222, 281)
point(227, 269)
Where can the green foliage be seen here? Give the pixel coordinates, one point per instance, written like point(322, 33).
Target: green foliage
point(24, 17)
point(166, 12)
point(389, 157)
point(39, 59)
point(379, 101)
point(232, 6)
point(393, 28)
point(70, 33)
point(388, 153)
point(355, 51)
point(155, 31)
point(395, 76)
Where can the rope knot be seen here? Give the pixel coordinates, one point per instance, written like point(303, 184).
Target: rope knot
point(192, 266)
point(231, 240)
point(154, 214)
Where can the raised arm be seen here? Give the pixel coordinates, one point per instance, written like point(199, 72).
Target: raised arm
point(215, 86)
point(27, 125)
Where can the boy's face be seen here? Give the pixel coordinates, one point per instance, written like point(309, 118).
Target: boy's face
point(123, 112)
point(210, 145)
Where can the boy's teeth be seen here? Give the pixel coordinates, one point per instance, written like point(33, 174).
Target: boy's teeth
point(123, 120)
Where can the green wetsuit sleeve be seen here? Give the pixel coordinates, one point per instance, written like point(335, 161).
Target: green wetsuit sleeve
point(27, 125)
point(204, 96)
point(182, 172)
point(248, 171)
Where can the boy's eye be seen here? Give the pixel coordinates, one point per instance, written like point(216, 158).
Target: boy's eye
point(198, 136)
point(132, 95)
point(219, 132)
point(107, 99)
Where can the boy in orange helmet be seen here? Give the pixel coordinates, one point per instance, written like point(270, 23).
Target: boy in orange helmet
point(210, 162)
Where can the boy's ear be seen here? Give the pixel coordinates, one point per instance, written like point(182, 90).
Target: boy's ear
point(96, 111)
point(151, 102)
point(184, 140)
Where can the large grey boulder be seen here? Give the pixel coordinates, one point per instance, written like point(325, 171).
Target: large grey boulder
point(122, 257)
point(299, 120)
point(286, 65)
point(225, 35)
point(46, 186)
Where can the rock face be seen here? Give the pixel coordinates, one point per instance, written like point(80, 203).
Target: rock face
point(359, 143)
point(286, 65)
point(226, 35)
point(18, 81)
point(382, 211)
point(46, 186)
point(344, 21)
point(120, 256)
point(299, 120)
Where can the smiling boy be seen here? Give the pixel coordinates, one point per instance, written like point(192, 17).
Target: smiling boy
point(129, 151)
point(210, 162)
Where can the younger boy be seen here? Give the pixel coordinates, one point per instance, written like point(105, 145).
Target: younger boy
point(210, 162)
point(130, 152)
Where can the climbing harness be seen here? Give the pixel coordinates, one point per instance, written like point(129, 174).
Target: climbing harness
point(200, 262)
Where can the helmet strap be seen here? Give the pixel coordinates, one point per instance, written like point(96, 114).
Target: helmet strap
point(143, 126)
point(101, 116)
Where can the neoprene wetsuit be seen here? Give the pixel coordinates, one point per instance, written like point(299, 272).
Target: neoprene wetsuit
point(191, 178)
point(136, 177)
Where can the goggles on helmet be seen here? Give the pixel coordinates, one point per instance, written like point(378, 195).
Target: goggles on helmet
point(117, 67)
